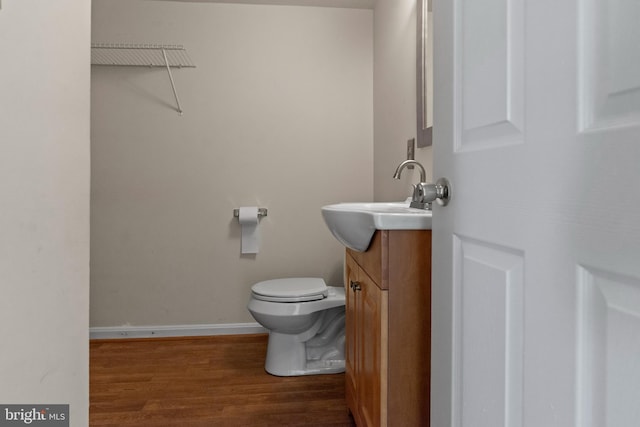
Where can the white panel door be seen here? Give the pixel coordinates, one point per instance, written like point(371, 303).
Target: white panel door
point(536, 259)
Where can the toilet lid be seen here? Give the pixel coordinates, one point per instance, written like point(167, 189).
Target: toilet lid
point(297, 289)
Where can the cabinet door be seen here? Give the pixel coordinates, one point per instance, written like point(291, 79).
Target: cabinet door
point(371, 365)
point(351, 337)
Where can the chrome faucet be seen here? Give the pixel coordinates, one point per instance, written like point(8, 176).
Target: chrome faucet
point(401, 166)
point(420, 199)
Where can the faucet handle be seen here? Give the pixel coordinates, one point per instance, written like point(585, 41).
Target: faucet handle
point(418, 199)
point(415, 197)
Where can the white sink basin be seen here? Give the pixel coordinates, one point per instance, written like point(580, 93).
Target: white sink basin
point(354, 224)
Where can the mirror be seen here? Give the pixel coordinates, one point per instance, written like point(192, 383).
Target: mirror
point(424, 73)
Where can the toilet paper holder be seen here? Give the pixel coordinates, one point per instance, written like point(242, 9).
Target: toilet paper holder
point(261, 212)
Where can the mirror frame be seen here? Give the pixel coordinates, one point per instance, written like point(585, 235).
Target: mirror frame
point(424, 131)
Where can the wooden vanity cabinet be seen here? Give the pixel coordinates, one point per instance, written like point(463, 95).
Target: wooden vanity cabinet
point(388, 326)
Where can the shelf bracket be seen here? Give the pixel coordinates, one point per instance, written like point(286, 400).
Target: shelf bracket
point(173, 85)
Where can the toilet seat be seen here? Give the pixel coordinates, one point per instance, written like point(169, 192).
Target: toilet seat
point(299, 289)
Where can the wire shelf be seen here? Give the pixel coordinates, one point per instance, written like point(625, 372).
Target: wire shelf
point(140, 55)
point(143, 55)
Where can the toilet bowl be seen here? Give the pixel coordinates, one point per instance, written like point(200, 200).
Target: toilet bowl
point(305, 319)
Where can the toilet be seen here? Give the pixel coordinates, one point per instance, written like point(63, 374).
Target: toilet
point(305, 319)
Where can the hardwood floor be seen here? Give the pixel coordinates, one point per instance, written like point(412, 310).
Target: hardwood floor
point(205, 381)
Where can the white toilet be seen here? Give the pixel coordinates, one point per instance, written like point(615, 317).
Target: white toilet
point(305, 319)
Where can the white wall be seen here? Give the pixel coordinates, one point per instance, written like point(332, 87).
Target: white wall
point(278, 113)
point(44, 218)
point(395, 98)
point(358, 4)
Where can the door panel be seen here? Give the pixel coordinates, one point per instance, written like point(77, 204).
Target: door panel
point(608, 348)
point(536, 279)
point(610, 80)
point(351, 337)
point(488, 374)
point(491, 99)
point(369, 369)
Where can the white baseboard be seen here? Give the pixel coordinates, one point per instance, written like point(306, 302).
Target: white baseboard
point(175, 330)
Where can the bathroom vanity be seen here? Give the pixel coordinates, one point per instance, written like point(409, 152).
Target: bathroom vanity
point(388, 326)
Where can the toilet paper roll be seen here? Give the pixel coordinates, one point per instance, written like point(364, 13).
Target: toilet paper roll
point(248, 218)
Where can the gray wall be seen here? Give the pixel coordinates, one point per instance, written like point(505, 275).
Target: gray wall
point(395, 97)
point(278, 113)
point(44, 218)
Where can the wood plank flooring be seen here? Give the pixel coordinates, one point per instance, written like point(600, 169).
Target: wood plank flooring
point(205, 381)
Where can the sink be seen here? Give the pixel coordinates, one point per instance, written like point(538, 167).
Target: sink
point(354, 224)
